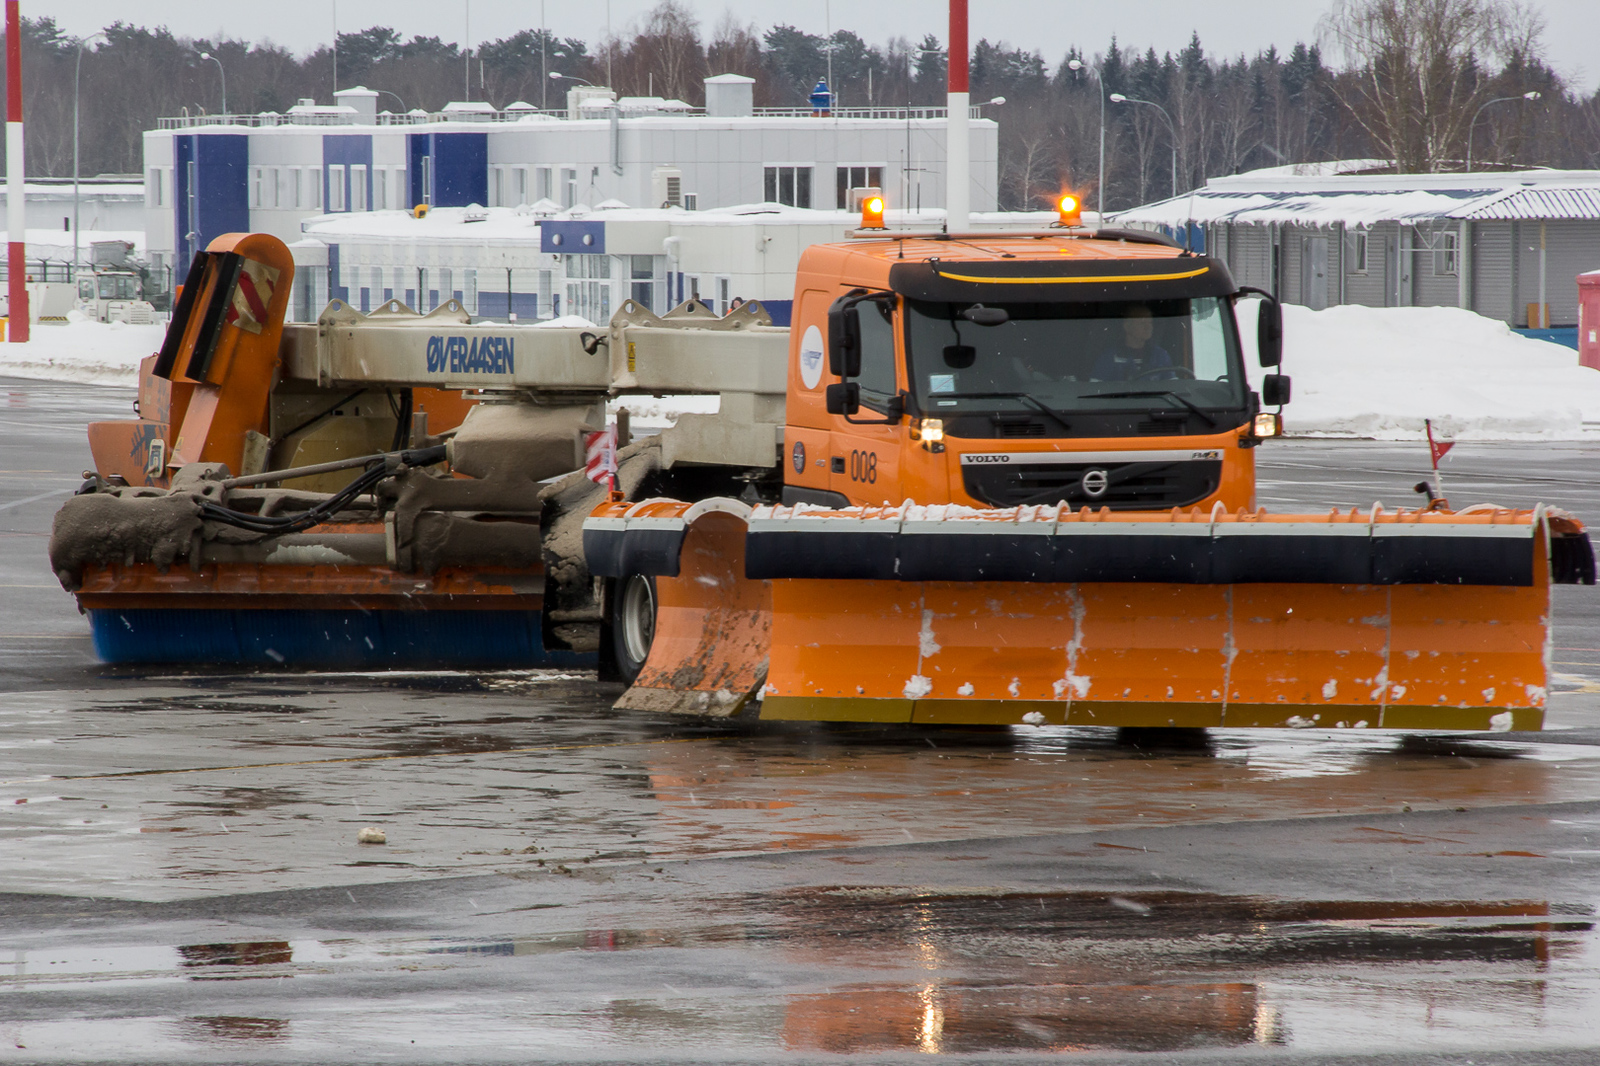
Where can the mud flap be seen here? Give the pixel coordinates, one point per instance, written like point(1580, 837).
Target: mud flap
point(713, 627)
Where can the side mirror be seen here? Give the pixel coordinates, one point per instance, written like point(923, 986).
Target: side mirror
point(959, 356)
point(1269, 333)
point(843, 398)
point(1275, 390)
point(844, 339)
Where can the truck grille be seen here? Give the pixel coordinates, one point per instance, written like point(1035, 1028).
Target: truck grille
point(1128, 486)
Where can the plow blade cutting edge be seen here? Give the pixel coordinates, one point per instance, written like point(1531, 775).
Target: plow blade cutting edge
point(950, 615)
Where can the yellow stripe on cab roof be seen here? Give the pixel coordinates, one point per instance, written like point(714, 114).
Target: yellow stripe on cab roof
point(1073, 281)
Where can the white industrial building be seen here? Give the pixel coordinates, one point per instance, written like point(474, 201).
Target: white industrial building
point(207, 175)
point(1501, 244)
point(536, 263)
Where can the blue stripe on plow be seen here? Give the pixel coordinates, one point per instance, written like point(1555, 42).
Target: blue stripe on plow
point(485, 639)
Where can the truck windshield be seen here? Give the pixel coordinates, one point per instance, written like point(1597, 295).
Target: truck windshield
point(1081, 357)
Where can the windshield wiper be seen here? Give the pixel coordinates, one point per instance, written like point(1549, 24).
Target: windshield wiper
point(1024, 397)
point(1150, 392)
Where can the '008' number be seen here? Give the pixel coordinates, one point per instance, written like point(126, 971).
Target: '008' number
point(864, 467)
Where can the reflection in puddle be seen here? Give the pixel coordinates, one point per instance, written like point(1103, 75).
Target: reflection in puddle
point(250, 953)
point(225, 1028)
point(950, 1019)
point(1139, 971)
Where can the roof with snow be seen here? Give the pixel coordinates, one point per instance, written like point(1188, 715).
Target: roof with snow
point(1330, 194)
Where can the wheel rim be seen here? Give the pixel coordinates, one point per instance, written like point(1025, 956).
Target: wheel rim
point(638, 618)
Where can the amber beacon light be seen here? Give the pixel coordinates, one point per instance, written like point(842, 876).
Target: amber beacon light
point(872, 212)
point(1069, 209)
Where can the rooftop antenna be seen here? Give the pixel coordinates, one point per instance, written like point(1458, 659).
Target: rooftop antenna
point(958, 151)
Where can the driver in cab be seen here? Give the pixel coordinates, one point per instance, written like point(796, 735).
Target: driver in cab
point(1136, 356)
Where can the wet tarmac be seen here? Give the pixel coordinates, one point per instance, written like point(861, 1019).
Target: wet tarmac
point(180, 878)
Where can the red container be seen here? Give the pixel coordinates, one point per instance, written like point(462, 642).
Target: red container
point(1589, 319)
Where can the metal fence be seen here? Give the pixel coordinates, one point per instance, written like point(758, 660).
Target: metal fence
point(417, 118)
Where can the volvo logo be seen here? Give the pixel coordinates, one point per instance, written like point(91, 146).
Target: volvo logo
point(1095, 483)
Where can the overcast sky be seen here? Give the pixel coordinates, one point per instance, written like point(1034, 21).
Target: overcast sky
point(1572, 38)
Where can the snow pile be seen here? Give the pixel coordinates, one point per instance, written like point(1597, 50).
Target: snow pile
point(92, 353)
point(1379, 372)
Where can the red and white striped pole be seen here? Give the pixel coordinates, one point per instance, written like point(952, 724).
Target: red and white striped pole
point(958, 151)
point(16, 208)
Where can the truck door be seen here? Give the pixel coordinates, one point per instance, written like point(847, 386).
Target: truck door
point(865, 459)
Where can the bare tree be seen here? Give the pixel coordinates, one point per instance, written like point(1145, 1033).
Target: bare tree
point(1418, 63)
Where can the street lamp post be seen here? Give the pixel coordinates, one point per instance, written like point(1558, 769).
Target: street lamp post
point(1498, 100)
point(402, 103)
point(76, 67)
point(223, 75)
point(1118, 98)
point(1100, 189)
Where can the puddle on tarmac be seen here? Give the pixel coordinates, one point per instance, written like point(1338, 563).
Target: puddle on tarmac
point(881, 970)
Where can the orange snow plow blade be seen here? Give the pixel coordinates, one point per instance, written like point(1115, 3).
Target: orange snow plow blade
point(948, 615)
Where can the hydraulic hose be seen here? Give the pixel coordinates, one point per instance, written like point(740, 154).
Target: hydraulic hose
point(379, 469)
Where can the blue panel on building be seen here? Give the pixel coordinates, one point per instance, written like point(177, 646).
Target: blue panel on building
point(416, 152)
point(460, 169)
point(212, 190)
point(572, 238)
point(336, 289)
point(780, 310)
point(340, 152)
point(448, 169)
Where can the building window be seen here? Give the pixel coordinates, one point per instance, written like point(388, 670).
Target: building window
point(337, 176)
point(295, 181)
point(1358, 253)
point(569, 186)
point(258, 196)
point(358, 188)
point(855, 177)
point(380, 188)
point(1447, 255)
point(541, 178)
point(275, 179)
point(789, 185)
point(589, 286)
point(544, 306)
point(314, 180)
point(642, 278)
point(496, 190)
point(521, 184)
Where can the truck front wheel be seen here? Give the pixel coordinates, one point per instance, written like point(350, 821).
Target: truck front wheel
point(633, 623)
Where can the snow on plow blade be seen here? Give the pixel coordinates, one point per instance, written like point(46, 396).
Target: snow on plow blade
point(944, 614)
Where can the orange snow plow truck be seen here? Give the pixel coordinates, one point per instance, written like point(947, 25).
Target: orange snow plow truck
point(983, 478)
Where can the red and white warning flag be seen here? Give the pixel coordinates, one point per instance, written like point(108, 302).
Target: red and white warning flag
point(252, 293)
point(1438, 449)
point(600, 456)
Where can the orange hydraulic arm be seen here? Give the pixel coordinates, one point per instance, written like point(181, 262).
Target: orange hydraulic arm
point(208, 388)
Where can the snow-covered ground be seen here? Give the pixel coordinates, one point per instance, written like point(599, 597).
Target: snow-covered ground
point(1379, 372)
point(94, 353)
point(1358, 371)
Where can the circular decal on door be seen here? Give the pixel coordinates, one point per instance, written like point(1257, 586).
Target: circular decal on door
point(811, 357)
point(799, 457)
